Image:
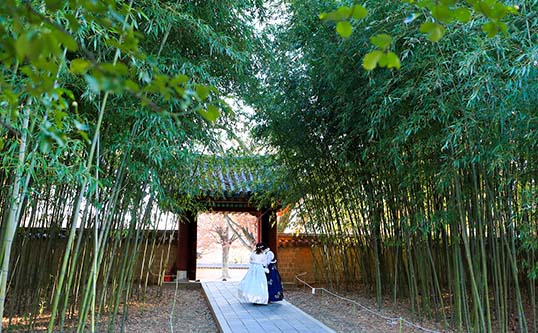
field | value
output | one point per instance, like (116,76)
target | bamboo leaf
(359,12)
(393,61)
(462,14)
(382,41)
(211,114)
(343,12)
(344,29)
(490,29)
(435,31)
(79,66)
(371,59)
(202,91)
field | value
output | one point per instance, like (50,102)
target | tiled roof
(222,183)
(231,177)
(292,240)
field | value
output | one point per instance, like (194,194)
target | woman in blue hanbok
(274,282)
(253,286)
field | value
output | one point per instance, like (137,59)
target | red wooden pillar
(259,217)
(182,250)
(186,247)
(273,234)
(269,231)
(193,242)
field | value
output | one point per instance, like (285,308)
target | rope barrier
(391,319)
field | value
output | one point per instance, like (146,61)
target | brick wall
(296,255)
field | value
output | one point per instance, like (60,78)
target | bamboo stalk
(477,301)
(16,199)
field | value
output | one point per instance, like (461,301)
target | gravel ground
(345,316)
(191,313)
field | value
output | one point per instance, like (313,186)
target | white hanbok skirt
(253,287)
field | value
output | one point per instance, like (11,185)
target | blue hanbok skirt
(274,284)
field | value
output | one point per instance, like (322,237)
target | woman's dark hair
(260,247)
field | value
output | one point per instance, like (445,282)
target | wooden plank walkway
(233,316)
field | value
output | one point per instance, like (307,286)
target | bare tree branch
(246,238)
(10,128)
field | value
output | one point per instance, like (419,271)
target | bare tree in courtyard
(225,239)
(225,231)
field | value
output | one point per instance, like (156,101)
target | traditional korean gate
(226,188)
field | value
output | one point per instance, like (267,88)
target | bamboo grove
(421,182)
(103,108)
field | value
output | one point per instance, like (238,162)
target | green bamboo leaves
(210,114)
(493,28)
(381,57)
(450,11)
(148,77)
(33,45)
(116,77)
(344,29)
(442,13)
(435,31)
(342,17)
(79,66)
(410,177)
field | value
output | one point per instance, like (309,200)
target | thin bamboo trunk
(88,169)
(477,302)
(16,200)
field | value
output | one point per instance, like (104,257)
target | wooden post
(269,233)
(186,247)
(259,217)
(272,241)
(182,253)
(193,247)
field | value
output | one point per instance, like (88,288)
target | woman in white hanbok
(253,287)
